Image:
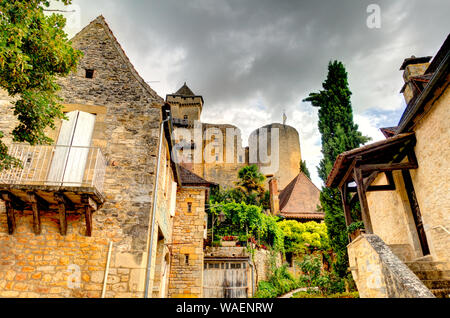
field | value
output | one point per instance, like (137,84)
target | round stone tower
(284,162)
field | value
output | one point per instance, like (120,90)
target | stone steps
(441,293)
(434,275)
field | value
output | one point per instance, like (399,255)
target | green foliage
(339,134)
(311,268)
(34,51)
(245,220)
(355,226)
(304,169)
(300,238)
(279,283)
(313,276)
(251,181)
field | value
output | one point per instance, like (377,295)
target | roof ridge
(102,21)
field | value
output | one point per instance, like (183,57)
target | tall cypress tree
(339,134)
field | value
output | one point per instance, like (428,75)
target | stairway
(434,276)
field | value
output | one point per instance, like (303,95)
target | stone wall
(392,219)
(431,180)
(379,273)
(41,266)
(186,271)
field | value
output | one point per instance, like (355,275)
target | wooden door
(225,280)
(72,150)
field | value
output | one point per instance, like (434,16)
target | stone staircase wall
(379,273)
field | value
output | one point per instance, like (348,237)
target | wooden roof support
(32,198)
(59,197)
(346,205)
(358,177)
(89,207)
(9,212)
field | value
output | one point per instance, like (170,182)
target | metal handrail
(57,165)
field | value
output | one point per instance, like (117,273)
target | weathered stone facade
(127,130)
(186,271)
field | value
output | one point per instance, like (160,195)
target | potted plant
(228,241)
(355,229)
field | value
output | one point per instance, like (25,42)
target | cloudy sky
(253,59)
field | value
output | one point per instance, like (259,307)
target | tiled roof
(190,178)
(300,199)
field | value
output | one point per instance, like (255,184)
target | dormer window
(90,73)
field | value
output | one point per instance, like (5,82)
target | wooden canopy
(362,166)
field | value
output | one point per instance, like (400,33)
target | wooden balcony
(61,178)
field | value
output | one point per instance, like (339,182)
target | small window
(216,265)
(186,117)
(217,157)
(222,265)
(189,207)
(244,265)
(240,159)
(186,259)
(227,266)
(232,266)
(90,73)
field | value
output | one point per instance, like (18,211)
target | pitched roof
(101,20)
(185,91)
(190,178)
(300,199)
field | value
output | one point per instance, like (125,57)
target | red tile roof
(300,198)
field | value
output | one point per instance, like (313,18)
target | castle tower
(185,105)
(287,167)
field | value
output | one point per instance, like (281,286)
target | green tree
(251,180)
(304,169)
(339,134)
(300,238)
(34,51)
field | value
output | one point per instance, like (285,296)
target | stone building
(108,211)
(80,219)
(215,151)
(402,185)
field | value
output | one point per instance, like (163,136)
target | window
(90,73)
(186,259)
(186,117)
(217,157)
(189,207)
(240,159)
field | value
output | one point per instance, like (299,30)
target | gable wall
(127,132)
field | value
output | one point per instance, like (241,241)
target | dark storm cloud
(253,59)
(278,49)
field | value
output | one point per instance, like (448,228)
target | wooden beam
(62,213)
(382,167)
(87,214)
(32,198)
(349,172)
(9,213)
(346,205)
(363,200)
(386,187)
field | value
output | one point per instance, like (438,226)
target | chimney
(274,200)
(412,67)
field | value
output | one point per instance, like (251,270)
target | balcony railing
(67,166)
